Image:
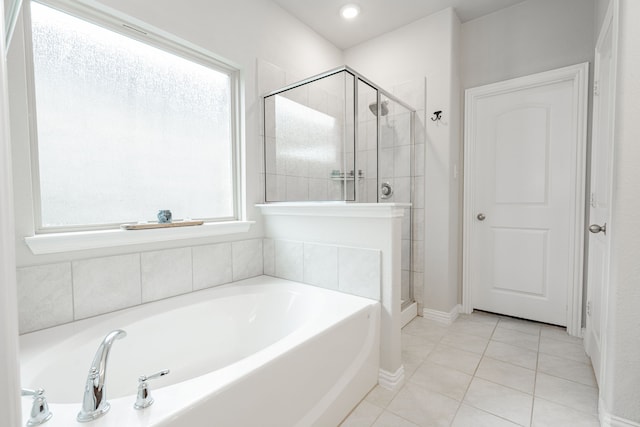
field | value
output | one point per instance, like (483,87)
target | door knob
(481,217)
(595,228)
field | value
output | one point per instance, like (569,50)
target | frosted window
(126,129)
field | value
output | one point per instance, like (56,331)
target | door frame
(610,23)
(579,75)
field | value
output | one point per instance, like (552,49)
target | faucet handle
(40,412)
(144,399)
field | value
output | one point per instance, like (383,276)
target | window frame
(129,27)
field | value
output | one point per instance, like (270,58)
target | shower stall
(338,137)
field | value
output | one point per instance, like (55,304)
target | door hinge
(588,308)
(592,200)
(596,89)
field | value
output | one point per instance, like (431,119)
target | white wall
(9,381)
(621,391)
(530,37)
(242,32)
(427,48)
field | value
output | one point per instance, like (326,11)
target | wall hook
(437,115)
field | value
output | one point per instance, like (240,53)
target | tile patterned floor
(486,371)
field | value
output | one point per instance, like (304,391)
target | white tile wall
(54,294)
(289,260)
(321,265)
(211,265)
(359,272)
(269,254)
(247,259)
(166,273)
(102,285)
(44,296)
(351,270)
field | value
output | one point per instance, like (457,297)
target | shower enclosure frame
(380,92)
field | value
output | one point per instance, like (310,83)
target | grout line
(535,379)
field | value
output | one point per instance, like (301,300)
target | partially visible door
(601,183)
(524,185)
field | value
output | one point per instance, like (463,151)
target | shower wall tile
(102,285)
(212,265)
(166,273)
(359,272)
(418,224)
(406,254)
(320,265)
(45,296)
(297,188)
(269,254)
(318,189)
(417,255)
(270,77)
(247,259)
(406,223)
(419,160)
(418,194)
(289,260)
(402,161)
(402,189)
(386,163)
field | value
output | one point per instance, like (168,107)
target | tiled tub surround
(53,294)
(354,271)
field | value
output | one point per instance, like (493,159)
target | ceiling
(379,16)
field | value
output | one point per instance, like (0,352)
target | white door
(601,183)
(524,184)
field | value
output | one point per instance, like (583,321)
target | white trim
(10,409)
(341,209)
(609,420)
(82,240)
(408,314)
(579,75)
(443,317)
(391,381)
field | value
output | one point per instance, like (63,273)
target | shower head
(384,108)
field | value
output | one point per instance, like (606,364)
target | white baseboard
(408,314)
(442,316)
(609,420)
(391,381)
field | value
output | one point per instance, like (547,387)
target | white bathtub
(260,352)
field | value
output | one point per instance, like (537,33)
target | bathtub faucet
(94,402)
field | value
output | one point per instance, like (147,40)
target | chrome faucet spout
(94,401)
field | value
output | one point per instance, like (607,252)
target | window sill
(83,240)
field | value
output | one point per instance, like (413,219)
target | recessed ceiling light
(350,11)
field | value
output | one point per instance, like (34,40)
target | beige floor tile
(516,338)
(380,396)
(364,415)
(454,358)
(477,329)
(548,414)
(558,333)
(568,369)
(425,328)
(424,407)
(508,353)
(568,350)
(468,416)
(441,379)
(577,396)
(499,400)
(388,419)
(507,374)
(465,342)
